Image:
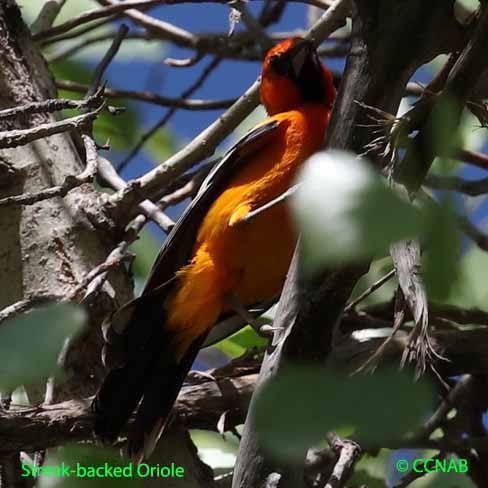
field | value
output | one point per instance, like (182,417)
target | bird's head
(293,75)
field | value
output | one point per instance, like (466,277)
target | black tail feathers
(151,378)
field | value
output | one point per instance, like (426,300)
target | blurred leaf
(471,291)
(329,401)
(216,450)
(117,130)
(70,70)
(377,270)
(90,457)
(146,249)
(120,130)
(443,480)
(346,212)
(131,50)
(371,471)
(463,9)
(446,136)
(160,146)
(31,8)
(30,343)
(237,344)
(443,239)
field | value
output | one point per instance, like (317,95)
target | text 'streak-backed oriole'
(212,259)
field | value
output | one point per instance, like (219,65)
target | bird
(216,261)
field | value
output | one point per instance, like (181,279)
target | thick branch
(310,309)
(200,405)
(203,400)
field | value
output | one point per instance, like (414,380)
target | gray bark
(389,41)
(49,246)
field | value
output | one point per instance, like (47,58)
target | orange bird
(213,263)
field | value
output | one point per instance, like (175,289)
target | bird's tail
(151,372)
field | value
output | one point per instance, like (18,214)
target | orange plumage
(225,256)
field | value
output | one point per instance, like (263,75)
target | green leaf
(120,130)
(237,344)
(218,451)
(470,290)
(31,9)
(443,480)
(377,270)
(91,466)
(30,344)
(371,471)
(346,212)
(382,406)
(446,136)
(70,70)
(443,244)
(146,249)
(160,146)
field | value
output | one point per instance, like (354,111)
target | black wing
(138,347)
(178,245)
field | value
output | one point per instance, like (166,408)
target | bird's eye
(277,63)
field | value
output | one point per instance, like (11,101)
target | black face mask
(301,65)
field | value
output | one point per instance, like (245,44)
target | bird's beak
(299,54)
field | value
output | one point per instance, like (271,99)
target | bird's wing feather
(146,365)
(178,246)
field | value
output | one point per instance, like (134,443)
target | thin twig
(184,63)
(53,105)
(107,59)
(254,27)
(70,182)
(205,143)
(472,188)
(19,137)
(377,284)
(478,237)
(47,16)
(108,173)
(27,304)
(258,211)
(72,49)
(115,258)
(149,97)
(453,398)
(94,14)
(472,157)
(156,27)
(400,314)
(169,114)
(76,34)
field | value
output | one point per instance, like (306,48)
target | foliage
(31,343)
(329,401)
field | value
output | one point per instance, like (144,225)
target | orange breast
(249,260)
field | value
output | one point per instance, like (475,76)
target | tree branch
(148,97)
(19,137)
(70,182)
(200,405)
(309,310)
(349,452)
(205,143)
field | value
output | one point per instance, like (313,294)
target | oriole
(212,259)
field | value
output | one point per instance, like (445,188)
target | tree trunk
(47,247)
